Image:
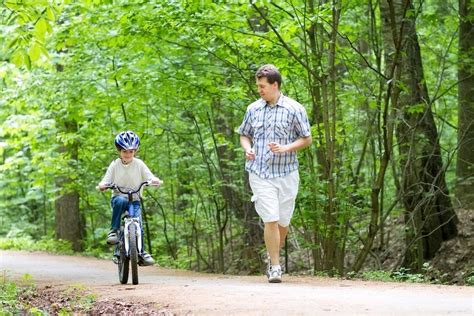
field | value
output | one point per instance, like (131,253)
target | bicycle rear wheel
(132,237)
(124,261)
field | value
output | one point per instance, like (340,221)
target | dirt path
(191,293)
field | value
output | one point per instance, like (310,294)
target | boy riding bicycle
(126,171)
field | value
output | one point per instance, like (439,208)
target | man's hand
(277,148)
(246,143)
(249,154)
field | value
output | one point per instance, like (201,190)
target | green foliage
(8,298)
(27,243)
(15,298)
(470,280)
(78,299)
(181,74)
(25,26)
(400,275)
(377,275)
(10,293)
(403,274)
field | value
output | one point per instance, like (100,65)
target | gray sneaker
(145,259)
(112,238)
(274,274)
(267,260)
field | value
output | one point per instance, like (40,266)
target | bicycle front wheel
(124,261)
(132,237)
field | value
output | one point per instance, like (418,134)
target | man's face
(268,91)
(127,155)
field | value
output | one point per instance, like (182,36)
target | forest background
(388,86)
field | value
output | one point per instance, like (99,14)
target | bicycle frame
(130,219)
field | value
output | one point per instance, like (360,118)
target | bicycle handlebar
(121,189)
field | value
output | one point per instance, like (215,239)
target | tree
(465,157)
(429,214)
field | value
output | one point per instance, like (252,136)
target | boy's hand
(102,187)
(156,182)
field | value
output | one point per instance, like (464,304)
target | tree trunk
(465,158)
(69,222)
(327,255)
(429,215)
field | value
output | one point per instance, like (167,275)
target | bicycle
(130,236)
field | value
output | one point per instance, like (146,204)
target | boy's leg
(119,204)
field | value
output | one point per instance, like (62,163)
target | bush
(45,244)
(377,275)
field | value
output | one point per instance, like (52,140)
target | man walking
(274,128)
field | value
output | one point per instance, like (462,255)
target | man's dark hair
(270,72)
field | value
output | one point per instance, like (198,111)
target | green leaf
(50,14)
(17,58)
(26,60)
(34,52)
(415,108)
(41,28)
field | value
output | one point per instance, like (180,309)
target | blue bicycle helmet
(127,140)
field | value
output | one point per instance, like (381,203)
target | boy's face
(127,155)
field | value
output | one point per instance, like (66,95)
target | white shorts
(275,198)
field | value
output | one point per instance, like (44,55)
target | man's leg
(272,241)
(283,233)
(274,236)
(271,236)
(288,189)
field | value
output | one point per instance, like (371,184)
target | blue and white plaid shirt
(283,123)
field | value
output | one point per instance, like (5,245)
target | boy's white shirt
(127,176)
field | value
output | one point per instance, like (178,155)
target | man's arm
(246,143)
(298,144)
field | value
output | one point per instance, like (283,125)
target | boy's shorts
(275,198)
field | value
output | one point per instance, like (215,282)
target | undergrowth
(23,297)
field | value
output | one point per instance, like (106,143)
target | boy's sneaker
(116,259)
(145,259)
(112,237)
(274,274)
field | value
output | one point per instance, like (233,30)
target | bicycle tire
(132,237)
(124,263)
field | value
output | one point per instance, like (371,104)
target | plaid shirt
(283,123)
